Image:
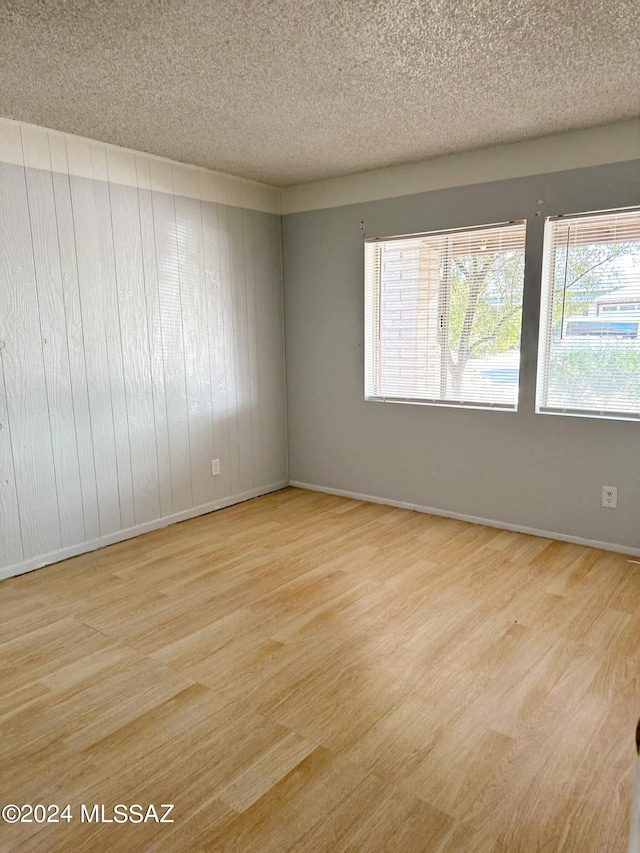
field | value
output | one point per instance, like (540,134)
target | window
(589,361)
(443,314)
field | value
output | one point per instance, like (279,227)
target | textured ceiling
(289,91)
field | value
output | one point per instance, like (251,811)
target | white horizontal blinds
(443,316)
(590,332)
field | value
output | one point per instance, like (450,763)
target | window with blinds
(443,313)
(589,354)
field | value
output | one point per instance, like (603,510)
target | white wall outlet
(610,497)
(215,467)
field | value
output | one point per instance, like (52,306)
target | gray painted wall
(538,471)
(141,336)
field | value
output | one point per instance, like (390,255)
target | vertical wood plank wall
(141,337)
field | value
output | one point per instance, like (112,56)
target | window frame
(372,333)
(546,312)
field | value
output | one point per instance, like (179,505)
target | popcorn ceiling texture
(299,90)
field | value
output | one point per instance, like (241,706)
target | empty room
(320,426)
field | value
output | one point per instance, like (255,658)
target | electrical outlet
(215,467)
(609,497)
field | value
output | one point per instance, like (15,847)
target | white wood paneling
(155,336)
(216,332)
(10,531)
(133,333)
(94,336)
(53,329)
(229,347)
(272,363)
(140,337)
(63,213)
(249,233)
(241,347)
(268,308)
(194,330)
(171,320)
(113,334)
(24,375)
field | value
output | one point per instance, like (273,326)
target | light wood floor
(310,673)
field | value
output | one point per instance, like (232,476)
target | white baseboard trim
(487,522)
(131,532)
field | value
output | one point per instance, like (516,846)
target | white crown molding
(27,144)
(613,143)
(23,144)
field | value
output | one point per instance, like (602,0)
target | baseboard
(203,509)
(487,522)
(130,532)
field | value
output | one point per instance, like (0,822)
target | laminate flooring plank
(305,672)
